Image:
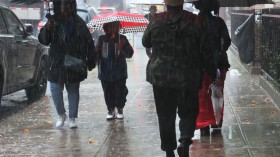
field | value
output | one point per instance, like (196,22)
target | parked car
(22,58)
(85,11)
(106,10)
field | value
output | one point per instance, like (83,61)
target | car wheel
(39,89)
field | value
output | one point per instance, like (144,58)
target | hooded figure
(218,41)
(175,69)
(66,33)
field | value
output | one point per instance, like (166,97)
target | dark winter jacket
(179,50)
(112,63)
(73,38)
(218,39)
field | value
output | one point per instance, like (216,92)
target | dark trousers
(115,93)
(168,101)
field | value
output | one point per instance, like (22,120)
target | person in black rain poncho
(218,40)
(66,33)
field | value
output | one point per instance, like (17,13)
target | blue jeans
(73,98)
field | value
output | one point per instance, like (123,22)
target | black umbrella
(243,3)
(25,1)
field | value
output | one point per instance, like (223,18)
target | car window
(105,11)
(91,13)
(3,29)
(14,25)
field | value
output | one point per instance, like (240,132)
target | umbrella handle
(119,43)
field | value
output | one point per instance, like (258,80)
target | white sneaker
(120,114)
(111,114)
(72,124)
(61,120)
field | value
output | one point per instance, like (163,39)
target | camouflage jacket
(180,51)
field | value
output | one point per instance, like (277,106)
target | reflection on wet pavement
(251,122)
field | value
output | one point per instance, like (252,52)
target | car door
(8,56)
(26,48)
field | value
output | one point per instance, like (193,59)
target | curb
(270,89)
(264,80)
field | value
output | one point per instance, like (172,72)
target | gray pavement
(251,122)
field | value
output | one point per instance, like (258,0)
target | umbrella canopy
(131,23)
(243,3)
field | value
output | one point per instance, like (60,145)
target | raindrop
(230,132)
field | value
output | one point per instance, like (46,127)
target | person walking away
(150,18)
(175,70)
(112,51)
(153,11)
(66,33)
(219,42)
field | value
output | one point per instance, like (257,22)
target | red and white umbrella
(131,23)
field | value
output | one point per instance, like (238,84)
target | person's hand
(50,24)
(218,74)
(150,55)
(215,74)
(121,44)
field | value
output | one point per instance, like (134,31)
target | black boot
(183,148)
(205,131)
(170,153)
(183,151)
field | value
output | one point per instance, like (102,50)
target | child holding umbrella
(112,50)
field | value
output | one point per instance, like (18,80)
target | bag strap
(71,36)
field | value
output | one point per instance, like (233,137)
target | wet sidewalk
(251,125)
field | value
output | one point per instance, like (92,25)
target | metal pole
(258,42)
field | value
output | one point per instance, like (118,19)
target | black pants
(167,101)
(115,93)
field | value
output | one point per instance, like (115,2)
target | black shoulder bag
(73,63)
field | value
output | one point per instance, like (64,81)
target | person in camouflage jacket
(180,54)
